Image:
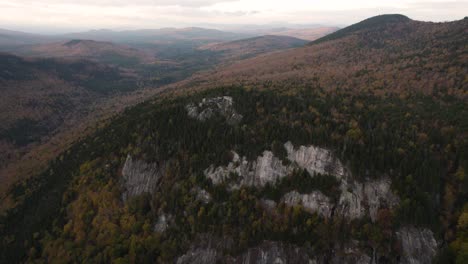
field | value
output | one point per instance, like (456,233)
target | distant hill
(246,48)
(12,39)
(373,23)
(105,52)
(39,95)
(158,36)
(393,53)
(304,33)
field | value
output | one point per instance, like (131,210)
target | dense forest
(418,141)
(385,99)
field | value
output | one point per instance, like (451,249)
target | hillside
(251,47)
(396,56)
(304,33)
(41,96)
(158,36)
(105,52)
(353,149)
(12,39)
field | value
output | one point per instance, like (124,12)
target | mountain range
(351,148)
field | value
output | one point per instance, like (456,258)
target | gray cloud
(63,15)
(183,3)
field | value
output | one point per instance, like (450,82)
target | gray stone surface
(358,199)
(315,202)
(208,107)
(418,244)
(140,177)
(315,160)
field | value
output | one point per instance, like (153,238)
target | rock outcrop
(350,253)
(140,177)
(418,244)
(241,172)
(163,223)
(273,252)
(268,169)
(315,202)
(207,108)
(202,195)
(358,199)
(199,256)
(315,160)
(266,253)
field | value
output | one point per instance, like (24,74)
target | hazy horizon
(55,16)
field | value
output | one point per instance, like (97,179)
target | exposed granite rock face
(315,160)
(268,204)
(315,202)
(140,177)
(266,253)
(199,256)
(202,195)
(266,169)
(350,253)
(207,108)
(357,199)
(273,252)
(269,169)
(418,244)
(206,248)
(163,223)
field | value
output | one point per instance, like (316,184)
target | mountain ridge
(352,150)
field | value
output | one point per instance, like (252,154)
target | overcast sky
(74,15)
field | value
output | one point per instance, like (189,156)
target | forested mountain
(353,149)
(41,96)
(384,54)
(246,48)
(105,52)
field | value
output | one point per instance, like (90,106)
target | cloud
(184,3)
(125,14)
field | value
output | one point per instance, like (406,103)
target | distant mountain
(158,36)
(373,23)
(250,47)
(12,39)
(105,52)
(304,33)
(378,48)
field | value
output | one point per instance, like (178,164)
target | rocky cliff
(210,107)
(315,202)
(357,199)
(418,244)
(140,177)
(241,172)
(315,160)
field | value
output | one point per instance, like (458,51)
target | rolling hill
(392,55)
(158,36)
(304,33)
(352,149)
(12,39)
(42,96)
(246,48)
(105,52)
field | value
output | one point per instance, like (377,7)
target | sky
(56,16)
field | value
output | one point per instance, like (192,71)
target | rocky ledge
(140,177)
(209,107)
